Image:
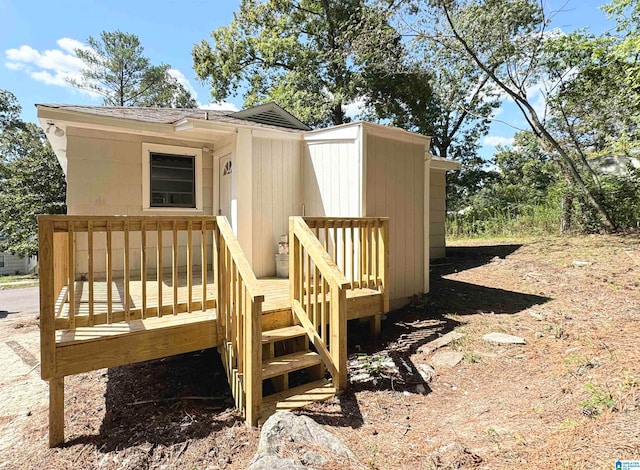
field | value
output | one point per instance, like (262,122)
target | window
(172,177)
(1,261)
(173,180)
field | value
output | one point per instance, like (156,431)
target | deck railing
(359,247)
(318,298)
(239,323)
(114,268)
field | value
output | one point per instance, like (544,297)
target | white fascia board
(106,123)
(350,131)
(444,164)
(187,124)
(396,133)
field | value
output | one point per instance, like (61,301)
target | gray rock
(315,447)
(426,372)
(444,359)
(440,342)
(502,338)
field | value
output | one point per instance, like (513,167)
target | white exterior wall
(437,203)
(107,170)
(276,195)
(395,188)
(333,178)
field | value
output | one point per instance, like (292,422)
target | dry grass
(569,398)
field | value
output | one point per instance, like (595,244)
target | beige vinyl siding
(437,213)
(13,264)
(106,170)
(277,192)
(395,189)
(333,179)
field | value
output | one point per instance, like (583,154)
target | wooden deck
(276,293)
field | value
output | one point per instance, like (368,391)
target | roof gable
(273,115)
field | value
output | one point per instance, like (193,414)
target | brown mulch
(568,398)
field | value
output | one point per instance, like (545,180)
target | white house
(257,167)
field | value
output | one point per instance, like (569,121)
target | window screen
(173,180)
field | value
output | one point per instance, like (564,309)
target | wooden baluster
(227,295)
(109,272)
(203,249)
(189,265)
(160,268)
(242,318)
(362,254)
(174,266)
(234,306)
(90,269)
(72,274)
(127,306)
(374,253)
(323,314)
(308,286)
(336,256)
(344,248)
(353,254)
(367,257)
(316,312)
(301,271)
(143,267)
(326,236)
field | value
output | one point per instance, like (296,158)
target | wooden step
(297,397)
(288,363)
(282,334)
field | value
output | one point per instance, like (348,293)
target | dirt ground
(568,398)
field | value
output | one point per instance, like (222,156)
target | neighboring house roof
(614,165)
(269,115)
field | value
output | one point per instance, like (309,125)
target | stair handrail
(305,246)
(239,319)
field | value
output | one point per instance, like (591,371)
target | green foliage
(116,69)
(598,401)
(9,111)
(312,56)
(31,183)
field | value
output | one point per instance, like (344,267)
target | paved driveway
(19,302)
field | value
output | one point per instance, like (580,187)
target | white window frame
(147,150)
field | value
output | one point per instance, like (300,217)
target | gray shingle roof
(164,115)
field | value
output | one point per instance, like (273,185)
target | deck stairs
(293,375)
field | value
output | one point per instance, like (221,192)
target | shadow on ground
(172,400)
(164,402)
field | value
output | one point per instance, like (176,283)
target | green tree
(9,111)
(117,70)
(31,181)
(311,56)
(506,39)
(525,172)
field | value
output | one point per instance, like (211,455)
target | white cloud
(70,45)
(219,106)
(14,66)
(184,81)
(51,66)
(496,140)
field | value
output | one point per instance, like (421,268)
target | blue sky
(37,41)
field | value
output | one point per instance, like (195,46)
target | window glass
(173,180)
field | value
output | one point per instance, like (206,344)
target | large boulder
(294,442)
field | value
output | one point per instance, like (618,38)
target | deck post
(56,411)
(338,333)
(48,293)
(252,376)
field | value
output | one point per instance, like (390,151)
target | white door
(225,171)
